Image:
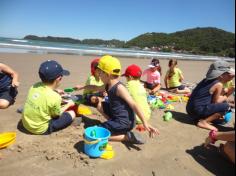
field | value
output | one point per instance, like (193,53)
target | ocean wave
(22,41)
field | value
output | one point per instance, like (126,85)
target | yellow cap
(110,65)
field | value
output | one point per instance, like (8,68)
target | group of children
(123,106)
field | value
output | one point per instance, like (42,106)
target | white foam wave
(111,51)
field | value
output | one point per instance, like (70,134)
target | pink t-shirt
(152,77)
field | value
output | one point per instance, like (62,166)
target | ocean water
(14,45)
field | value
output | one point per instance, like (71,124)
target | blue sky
(111,19)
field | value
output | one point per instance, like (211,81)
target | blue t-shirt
(5,81)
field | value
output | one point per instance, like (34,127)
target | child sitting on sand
(153,82)
(207,104)
(8,86)
(133,74)
(120,108)
(92,97)
(42,111)
(174,78)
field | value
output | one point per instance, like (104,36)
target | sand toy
(7,139)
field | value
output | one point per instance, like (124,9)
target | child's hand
(70,103)
(60,92)
(152,131)
(15,83)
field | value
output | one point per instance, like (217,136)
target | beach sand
(177,151)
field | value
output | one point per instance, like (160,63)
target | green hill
(207,41)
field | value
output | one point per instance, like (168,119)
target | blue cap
(50,70)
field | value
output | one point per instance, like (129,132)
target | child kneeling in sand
(92,97)
(133,74)
(174,78)
(8,86)
(42,111)
(120,107)
(207,104)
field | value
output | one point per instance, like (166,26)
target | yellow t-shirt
(92,81)
(42,104)
(139,95)
(174,80)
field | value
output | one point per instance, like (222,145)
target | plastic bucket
(95,141)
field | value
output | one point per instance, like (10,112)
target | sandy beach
(177,151)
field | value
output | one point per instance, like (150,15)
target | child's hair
(46,80)
(171,63)
(157,62)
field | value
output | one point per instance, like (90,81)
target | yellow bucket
(7,139)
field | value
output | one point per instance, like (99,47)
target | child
(153,82)
(207,104)
(8,86)
(120,109)
(42,111)
(137,91)
(91,97)
(174,78)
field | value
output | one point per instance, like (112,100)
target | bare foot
(205,125)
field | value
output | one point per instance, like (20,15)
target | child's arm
(10,71)
(90,87)
(166,77)
(124,94)
(216,90)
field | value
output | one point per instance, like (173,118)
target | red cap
(94,65)
(133,70)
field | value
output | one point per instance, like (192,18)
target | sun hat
(218,68)
(133,70)
(51,69)
(110,65)
(94,65)
(153,64)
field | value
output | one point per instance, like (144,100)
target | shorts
(149,86)
(117,127)
(202,112)
(181,87)
(9,95)
(59,123)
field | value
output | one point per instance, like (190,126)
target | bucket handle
(91,142)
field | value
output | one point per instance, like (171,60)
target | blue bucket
(95,141)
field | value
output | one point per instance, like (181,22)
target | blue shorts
(181,87)
(59,123)
(202,112)
(117,126)
(9,95)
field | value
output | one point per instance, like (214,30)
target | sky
(111,19)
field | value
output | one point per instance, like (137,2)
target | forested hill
(205,41)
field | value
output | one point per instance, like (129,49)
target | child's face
(104,76)
(153,69)
(97,73)
(227,77)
